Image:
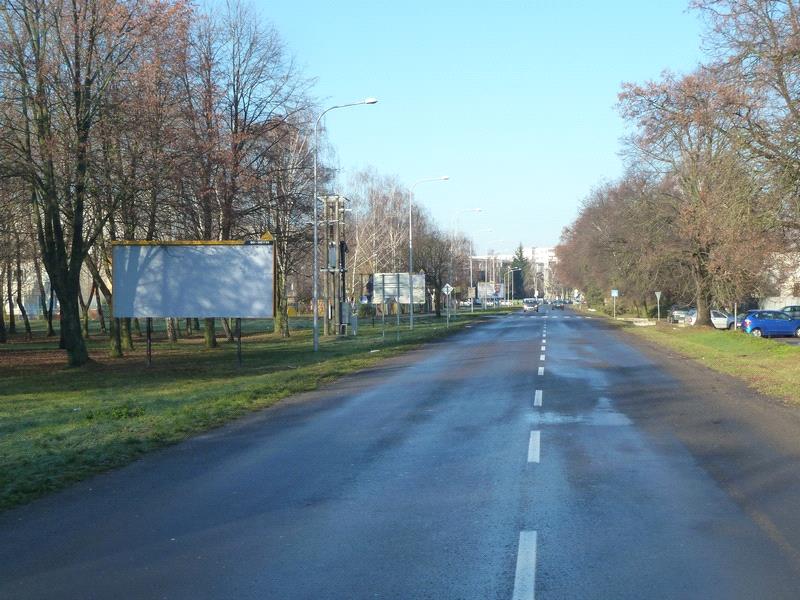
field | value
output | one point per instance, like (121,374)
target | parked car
(792,311)
(719,318)
(465,303)
(677,314)
(770,322)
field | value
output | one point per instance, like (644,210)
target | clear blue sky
(514,100)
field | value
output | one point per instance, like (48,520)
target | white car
(719,318)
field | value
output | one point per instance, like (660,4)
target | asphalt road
(535,455)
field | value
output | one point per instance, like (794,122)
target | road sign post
(448,289)
(614,294)
(658,303)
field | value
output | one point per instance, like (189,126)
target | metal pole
(315,277)
(410,264)
(315,294)
(397,307)
(149,328)
(471,290)
(239,341)
(383,306)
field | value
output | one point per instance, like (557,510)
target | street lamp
(411,249)
(455,231)
(316,225)
(511,285)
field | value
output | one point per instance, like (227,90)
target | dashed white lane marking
(543,348)
(541,357)
(533,447)
(541,370)
(525,576)
(537,398)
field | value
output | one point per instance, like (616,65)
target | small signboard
(658,296)
(614,293)
(447,289)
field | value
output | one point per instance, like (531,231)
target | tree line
(155,120)
(710,193)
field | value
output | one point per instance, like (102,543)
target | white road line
(541,357)
(525,576)
(541,370)
(537,398)
(543,348)
(533,447)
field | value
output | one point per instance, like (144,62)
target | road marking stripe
(543,348)
(525,576)
(541,370)
(537,399)
(541,357)
(533,447)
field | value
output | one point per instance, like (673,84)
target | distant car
(557,305)
(678,314)
(506,303)
(792,311)
(465,303)
(719,318)
(530,305)
(770,323)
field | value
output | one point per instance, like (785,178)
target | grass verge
(768,366)
(60,425)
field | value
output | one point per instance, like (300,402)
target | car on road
(792,311)
(768,323)
(530,305)
(465,303)
(557,305)
(719,318)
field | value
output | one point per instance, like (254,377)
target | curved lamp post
(316,240)
(411,246)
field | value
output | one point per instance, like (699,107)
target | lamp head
(370,100)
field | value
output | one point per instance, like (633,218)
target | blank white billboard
(394,287)
(192,279)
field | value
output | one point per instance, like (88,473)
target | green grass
(60,425)
(769,366)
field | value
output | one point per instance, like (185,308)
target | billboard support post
(239,341)
(149,328)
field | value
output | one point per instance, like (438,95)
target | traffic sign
(614,293)
(447,289)
(658,295)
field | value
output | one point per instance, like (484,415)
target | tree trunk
(125,332)
(281,300)
(12,325)
(188,328)
(23,312)
(172,330)
(702,295)
(47,314)
(226,327)
(100,315)
(84,314)
(210,333)
(437,301)
(77,354)
(50,331)
(3,335)
(137,327)
(114,338)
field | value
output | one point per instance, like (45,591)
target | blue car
(770,322)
